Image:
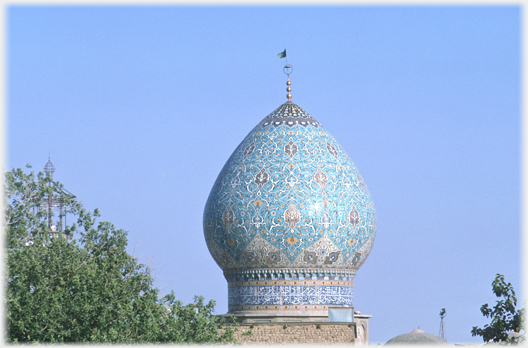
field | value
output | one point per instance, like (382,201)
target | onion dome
(289,219)
(416,337)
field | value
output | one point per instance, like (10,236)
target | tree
(77,283)
(504,317)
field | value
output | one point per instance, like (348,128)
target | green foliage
(88,289)
(504,317)
(194,323)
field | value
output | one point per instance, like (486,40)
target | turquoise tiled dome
(289,196)
(289,204)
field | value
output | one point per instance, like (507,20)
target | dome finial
(288,69)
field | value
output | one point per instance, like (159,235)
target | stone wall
(297,333)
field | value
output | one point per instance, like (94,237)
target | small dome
(416,337)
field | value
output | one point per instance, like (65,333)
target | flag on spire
(282,54)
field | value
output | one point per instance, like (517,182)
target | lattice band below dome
(290,283)
(290,275)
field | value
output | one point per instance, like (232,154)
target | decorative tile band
(290,275)
(291,282)
(279,307)
(289,122)
(290,295)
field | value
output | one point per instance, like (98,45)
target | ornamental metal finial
(288,69)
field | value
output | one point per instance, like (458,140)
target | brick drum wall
(297,333)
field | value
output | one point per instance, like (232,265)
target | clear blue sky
(140,107)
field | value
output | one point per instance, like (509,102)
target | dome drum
(289,294)
(288,290)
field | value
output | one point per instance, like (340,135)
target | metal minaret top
(49,168)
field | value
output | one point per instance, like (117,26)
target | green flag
(282,54)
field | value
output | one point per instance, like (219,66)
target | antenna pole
(442,332)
